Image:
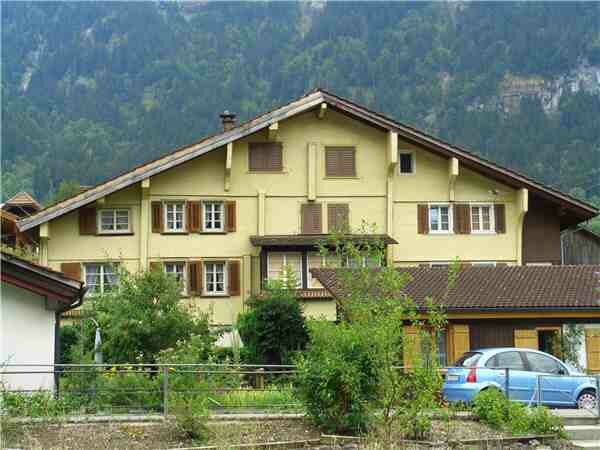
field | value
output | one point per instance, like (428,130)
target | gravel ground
(223,434)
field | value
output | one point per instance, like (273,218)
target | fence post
(165,391)
(539,390)
(507,381)
(260,378)
(598,396)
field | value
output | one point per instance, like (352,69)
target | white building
(31,301)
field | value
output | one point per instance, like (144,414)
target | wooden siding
(580,247)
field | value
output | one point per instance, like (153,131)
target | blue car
(560,384)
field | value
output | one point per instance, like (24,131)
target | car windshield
(469,359)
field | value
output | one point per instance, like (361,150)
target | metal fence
(135,389)
(37,390)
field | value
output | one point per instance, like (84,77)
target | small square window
(440,219)
(175,217)
(214,278)
(406,162)
(113,221)
(213,216)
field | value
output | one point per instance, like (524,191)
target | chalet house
(231,210)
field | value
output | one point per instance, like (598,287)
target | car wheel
(587,400)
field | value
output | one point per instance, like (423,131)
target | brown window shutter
(193,217)
(266,156)
(311,218)
(156,266)
(337,217)
(87,221)
(157,217)
(500,217)
(72,270)
(340,162)
(233,268)
(195,277)
(462,219)
(230,216)
(423,219)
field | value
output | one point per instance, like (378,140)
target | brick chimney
(228,120)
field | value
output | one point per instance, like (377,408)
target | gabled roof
(22,199)
(511,288)
(582,210)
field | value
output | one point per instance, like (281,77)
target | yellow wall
(204,178)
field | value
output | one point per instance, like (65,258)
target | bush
(191,416)
(274,326)
(493,408)
(69,337)
(337,378)
(33,404)
(140,318)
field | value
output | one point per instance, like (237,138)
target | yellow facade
(270,203)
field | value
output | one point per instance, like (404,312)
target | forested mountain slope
(90,89)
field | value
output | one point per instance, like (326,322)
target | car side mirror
(562,371)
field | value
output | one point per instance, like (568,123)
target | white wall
(26,336)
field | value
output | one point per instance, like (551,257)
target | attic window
(406,162)
(265,157)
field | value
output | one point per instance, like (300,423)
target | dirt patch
(223,434)
(150,435)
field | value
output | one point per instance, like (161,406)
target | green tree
(273,327)
(370,342)
(141,317)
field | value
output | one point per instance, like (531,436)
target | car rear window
(469,359)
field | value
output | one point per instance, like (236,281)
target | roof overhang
(582,210)
(61,292)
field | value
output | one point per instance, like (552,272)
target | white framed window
(440,219)
(484,263)
(482,218)
(214,278)
(114,220)
(406,162)
(177,269)
(100,277)
(175,217)
(279,263)
(213,216)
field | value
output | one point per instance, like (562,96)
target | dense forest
(90,89)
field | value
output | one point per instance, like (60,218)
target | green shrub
(127,389)
(274,326)
(191,416)
(69,336)
(493,408)
(34,404)
(337,378)
(140,318)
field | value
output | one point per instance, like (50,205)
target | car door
(520,381)
(557,388)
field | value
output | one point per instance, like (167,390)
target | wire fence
(35,390)
(140,389)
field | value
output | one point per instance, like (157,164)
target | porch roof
(511,288)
